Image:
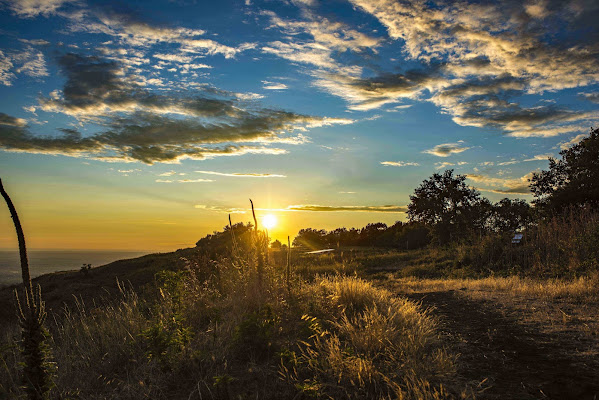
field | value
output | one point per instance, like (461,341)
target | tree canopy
(445,203)
(573,180)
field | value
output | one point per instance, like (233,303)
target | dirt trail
(502,358)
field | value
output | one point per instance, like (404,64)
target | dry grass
(582,289)
(232,335)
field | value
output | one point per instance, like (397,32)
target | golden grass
(579,290)
(232,335)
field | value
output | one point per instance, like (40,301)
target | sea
(47,261)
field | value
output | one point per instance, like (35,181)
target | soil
(504,353)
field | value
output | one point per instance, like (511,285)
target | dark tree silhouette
(571,180)
(445,203)
(511,215)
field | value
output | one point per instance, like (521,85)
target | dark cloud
(96,87)
(6,119)
(138,125)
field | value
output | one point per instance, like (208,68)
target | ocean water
(43,262)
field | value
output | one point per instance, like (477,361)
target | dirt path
(502,358)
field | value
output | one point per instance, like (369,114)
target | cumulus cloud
(399,163)
(242,174)
(476,58)
(446,149)
(311,207)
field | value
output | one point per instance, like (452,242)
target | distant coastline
(48,261)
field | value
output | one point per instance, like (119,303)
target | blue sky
(164,116)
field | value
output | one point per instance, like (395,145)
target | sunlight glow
(269,221)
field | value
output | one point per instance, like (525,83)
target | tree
(571,180)
(276,245)
(510,215)
(445,203)
(310,238)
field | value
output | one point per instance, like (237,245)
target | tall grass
(217,331)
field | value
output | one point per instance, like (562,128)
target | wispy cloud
(594,96)
(446,149)
(400,163)
(242,174)
(575,140)
(274,85)
(221,209)
(28,61)
(184,180)
(540,157)
(515,186)
(33,8)
(312,207)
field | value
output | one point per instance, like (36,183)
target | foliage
(222,242)
(511,215)
(571,180)
(447,204)
(403,235)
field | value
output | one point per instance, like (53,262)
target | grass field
(354,323)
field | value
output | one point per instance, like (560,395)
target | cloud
(399,163)
(242,174)
(594,97)
(475,58)
(540,157)
(445,164)
(446,149)
(309,207)
(194,180)
(184,180)
(515,186)
(274,85)
(29,62)
(6,76)
(33,8)
(221,209)
(134,32)
(369,93)
(575,140)
(8,120)
(135,124)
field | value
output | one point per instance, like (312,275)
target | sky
(141,125)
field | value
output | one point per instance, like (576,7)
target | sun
(269,221)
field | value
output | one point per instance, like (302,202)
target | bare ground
(518,348)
